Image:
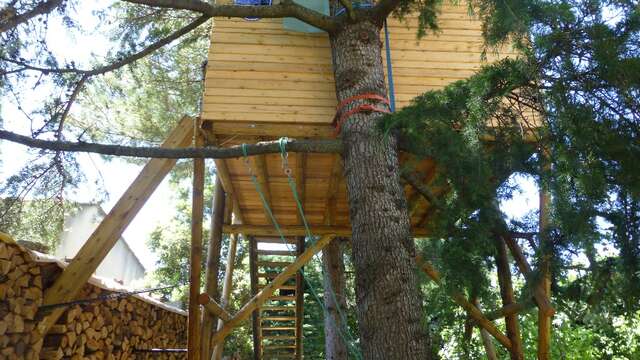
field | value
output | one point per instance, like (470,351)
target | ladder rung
(278,308)
(268,275)
(283,287)
(279,337)
(279,347)
(274,264)
(275,240)
(277,252)
(278,318)
(283,298)
(279,328)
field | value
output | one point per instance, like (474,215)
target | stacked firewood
(121,328)
(20,297)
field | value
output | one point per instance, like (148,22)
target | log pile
(104,329)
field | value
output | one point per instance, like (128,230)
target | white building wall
(120,264)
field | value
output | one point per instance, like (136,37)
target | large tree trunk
(389,305)
(334,300)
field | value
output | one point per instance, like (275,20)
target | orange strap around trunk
(360,108)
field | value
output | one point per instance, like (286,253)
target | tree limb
(286,8)
(9,21)
(267,147)
(120,63)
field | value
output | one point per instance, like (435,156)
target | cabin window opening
(252,3)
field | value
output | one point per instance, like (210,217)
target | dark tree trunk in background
(334,299)
(389,303)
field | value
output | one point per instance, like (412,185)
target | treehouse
(267,79)
(272,78)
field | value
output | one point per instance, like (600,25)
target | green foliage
(577,77)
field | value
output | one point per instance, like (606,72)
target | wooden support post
(226,291)
(299,301)
(213,264)
(259,167)
(508,298)
(301,161)
(461,300)
(544,320)
(291,230)
(489,349)
(105,236)
(266,292)
(544,305)
(255,320)
(195,269)
(511,309)
(213,307)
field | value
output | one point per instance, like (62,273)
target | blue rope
(392,90)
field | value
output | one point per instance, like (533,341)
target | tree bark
(334,300)
(389,304)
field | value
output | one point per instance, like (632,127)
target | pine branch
(9,21)
(267,147)
(287,8)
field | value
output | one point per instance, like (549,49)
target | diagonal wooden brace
(461,300)
(105,236)
(213,307)
(264,294)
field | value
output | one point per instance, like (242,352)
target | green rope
(282,142)
(294,191)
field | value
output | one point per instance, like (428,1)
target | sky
(116,175)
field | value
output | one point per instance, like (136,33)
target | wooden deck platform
(263,82)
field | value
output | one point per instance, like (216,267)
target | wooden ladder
(277,324)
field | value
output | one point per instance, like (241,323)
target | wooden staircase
(277,325)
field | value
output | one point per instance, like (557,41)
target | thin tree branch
(267,147)
(287,8)
(10,22)
(120,63)
(70,102)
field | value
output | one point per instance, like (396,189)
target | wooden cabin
(265,82)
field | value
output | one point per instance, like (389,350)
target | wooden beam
(259,168)
(544,305)
(334,183)
(222,171)
(105,236)
(301,162)
(489,349)
(299,301)
(297,230)
(213,307)
(268,290)
(508,298)
(253,273)
(195,263)
(510,309)
(213,264)
(461,300)
(226,290)
(299,130)
(544,320)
